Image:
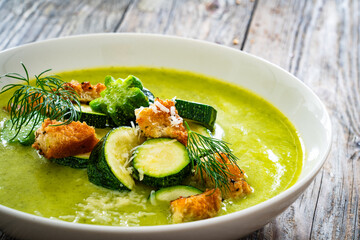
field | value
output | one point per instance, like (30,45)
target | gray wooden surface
(316,40)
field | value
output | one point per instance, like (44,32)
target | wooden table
(316,40)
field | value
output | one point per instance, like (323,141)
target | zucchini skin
(200,113)
(73,162)
(167,181)
(149,95)
(95,120)
(99,173)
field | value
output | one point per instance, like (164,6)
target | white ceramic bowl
(287,93)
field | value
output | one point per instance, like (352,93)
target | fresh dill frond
(48,96)
(203,151)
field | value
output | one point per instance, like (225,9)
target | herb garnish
(47,97)
(203,150)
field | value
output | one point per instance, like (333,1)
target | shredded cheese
(172,111)
(161,107)
(141,174)
(175,121)
(138,111)
(154,108)
(110,209)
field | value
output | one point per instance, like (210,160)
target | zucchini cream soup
(266,144)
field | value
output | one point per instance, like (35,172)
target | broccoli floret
(120,99)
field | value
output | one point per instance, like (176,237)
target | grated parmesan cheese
(141,174)
(153,107)
(138,111)
(172,111)
(175,121)
(162,107)
(110,209)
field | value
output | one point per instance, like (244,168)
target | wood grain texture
(215,21)
(28,21)
(316,40)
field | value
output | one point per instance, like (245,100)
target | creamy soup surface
(264,140)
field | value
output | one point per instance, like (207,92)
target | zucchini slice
(78,161)
(95,119)
(109,161)
(171,193)
(197,112)
(161,162)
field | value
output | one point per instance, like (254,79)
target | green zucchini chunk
(78,161)
(109,161)
(197,112)
(161,162)
(171,193)
(95,119)
(149,95)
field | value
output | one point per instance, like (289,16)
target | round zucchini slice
(171,193)
(161,162)
(109,161)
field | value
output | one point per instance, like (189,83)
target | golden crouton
(238,187)
(86,91)
(64,140)
(161,119)
(196,207)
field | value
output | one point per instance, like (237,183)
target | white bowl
(286,92)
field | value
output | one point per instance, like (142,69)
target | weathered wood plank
(28,21)
(318,41)
(216,21)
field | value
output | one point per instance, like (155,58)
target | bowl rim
(300,183)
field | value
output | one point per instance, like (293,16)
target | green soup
(266,143)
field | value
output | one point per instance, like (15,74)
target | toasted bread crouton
(196,207)
(64,140)
(238,187)
(161,119)
(86,91)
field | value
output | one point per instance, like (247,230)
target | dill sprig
(49,97)
(203,151)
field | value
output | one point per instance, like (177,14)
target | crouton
(196,207)
(161,119)
(238,187)
(64,140)
(86,91)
